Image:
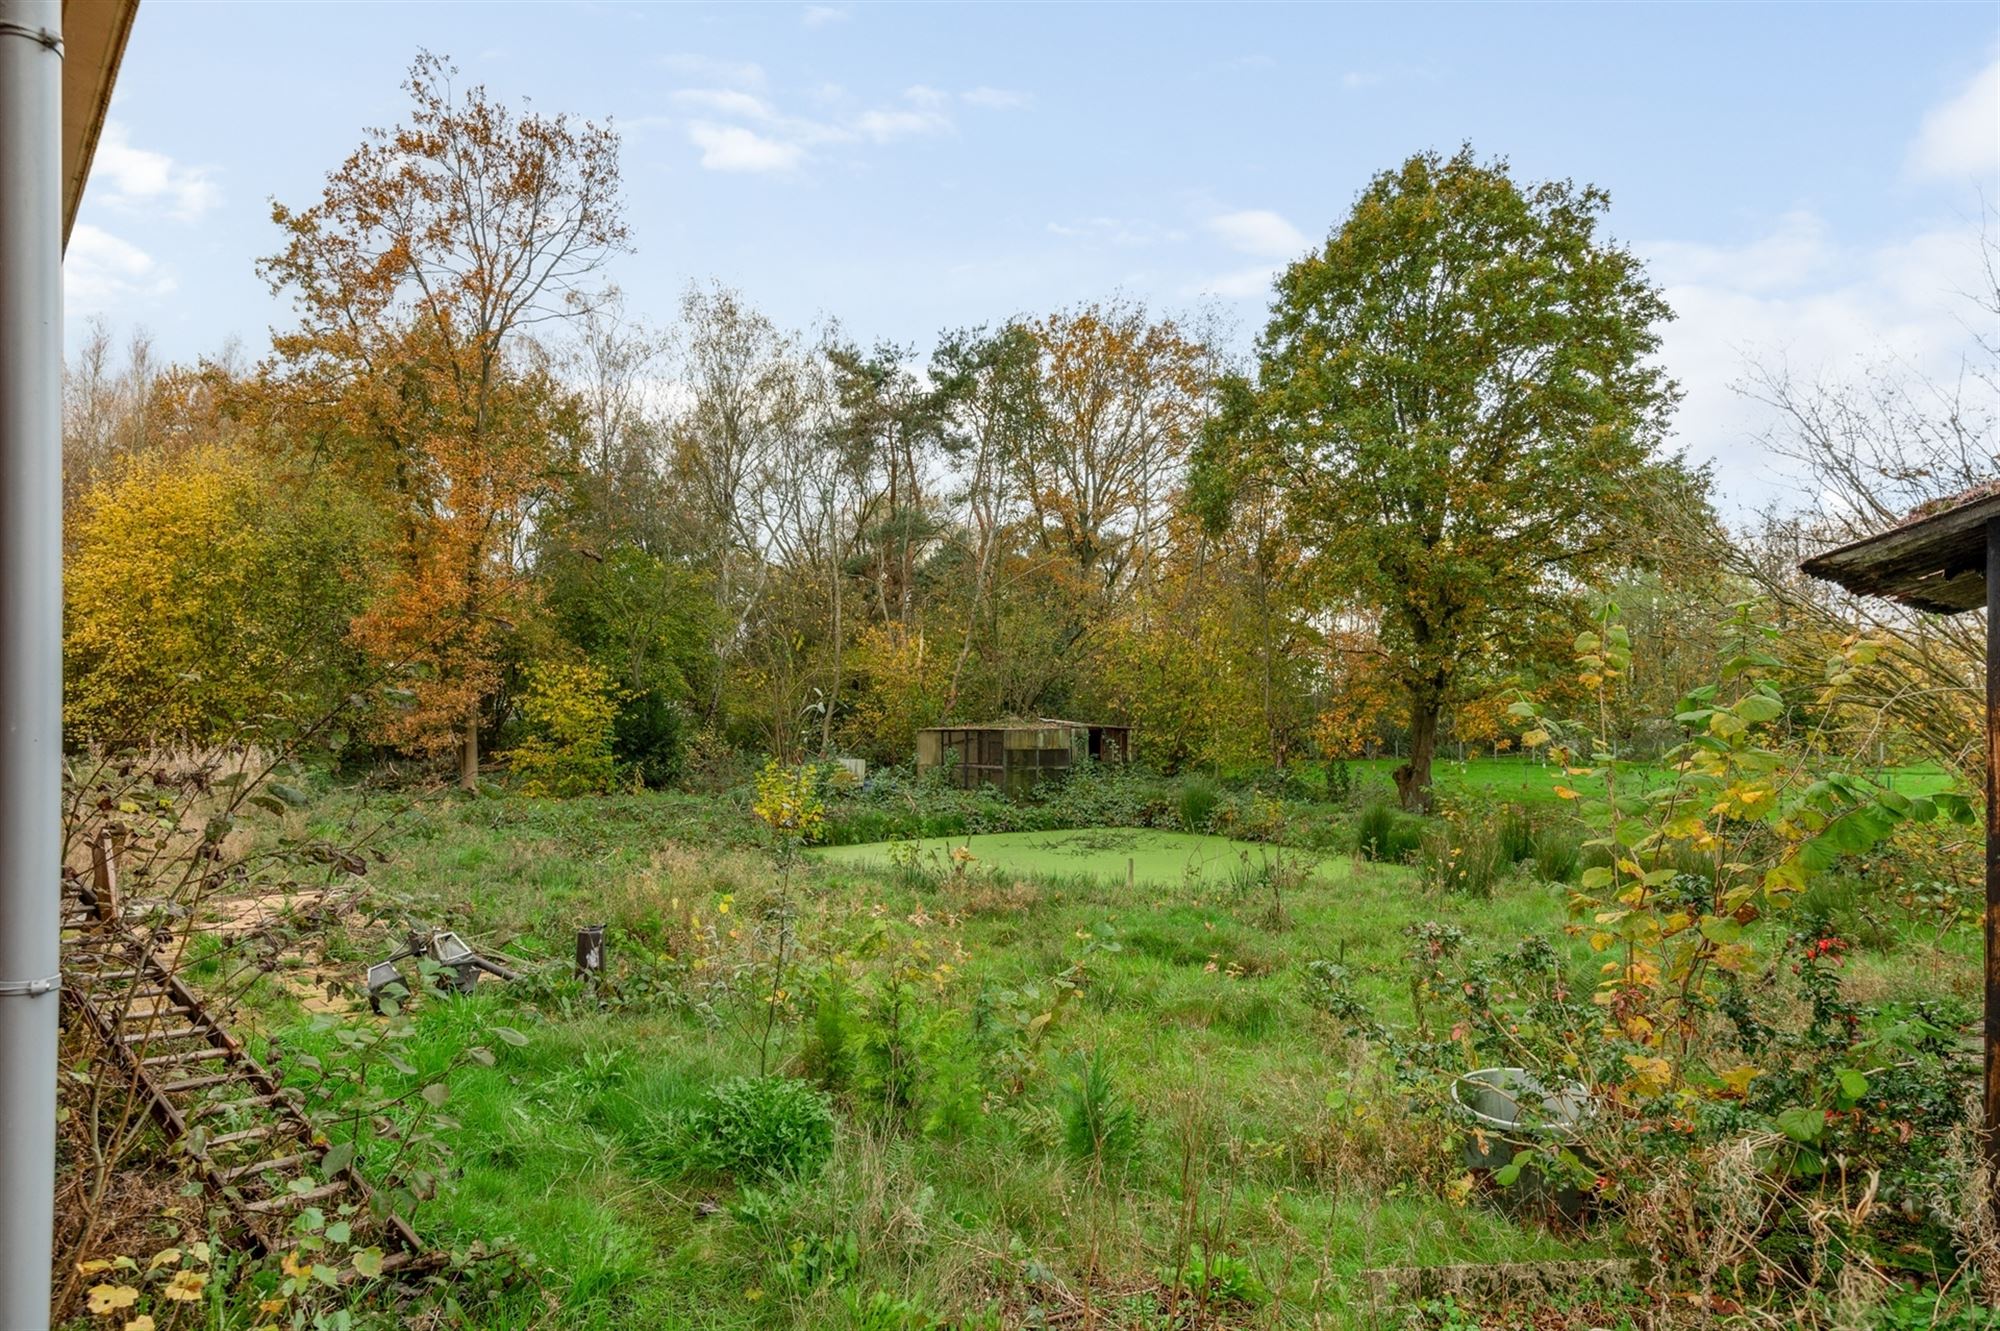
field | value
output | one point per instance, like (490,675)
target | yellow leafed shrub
(200,596)
(570,710)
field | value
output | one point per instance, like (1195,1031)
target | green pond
(1153,857)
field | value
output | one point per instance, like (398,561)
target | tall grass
(1556,854)
(1385,833)
(1516,833)
(1468,858)
(1198,802)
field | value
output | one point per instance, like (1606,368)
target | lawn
(1529,780)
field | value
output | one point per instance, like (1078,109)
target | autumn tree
(986,387)
(203,599)
(1123,398)
(1459,394)
(429,255)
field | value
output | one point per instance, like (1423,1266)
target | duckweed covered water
(1157,858)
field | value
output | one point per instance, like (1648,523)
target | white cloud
(726,102)
(1960,138)
(1797,248)
(1238,284)
(821,16)
(924,115)
(104,274)
(1355,79)
(130,177)
(1259,231)
(709,69)
(996,99)
(734,148)
(743,131)
(1116,231)
(1795,295)
(886,126)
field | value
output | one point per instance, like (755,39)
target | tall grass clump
(1383,832)
(1556,854)
(1469,859)
(1198,801)
(1516,833)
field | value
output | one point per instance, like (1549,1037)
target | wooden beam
(1990,1137)
(1931,563)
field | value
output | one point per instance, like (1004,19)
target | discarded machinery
(444,947)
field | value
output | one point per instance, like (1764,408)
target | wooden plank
(1990,1145)
(104,877)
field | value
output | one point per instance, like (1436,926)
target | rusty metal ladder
(251,1142)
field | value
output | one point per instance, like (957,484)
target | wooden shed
(1014,755)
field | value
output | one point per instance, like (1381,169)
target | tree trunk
(1413,778)
(468,754)
(833,693)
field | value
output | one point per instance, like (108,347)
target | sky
(1808,184)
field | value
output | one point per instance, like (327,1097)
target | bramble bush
(1755,1153)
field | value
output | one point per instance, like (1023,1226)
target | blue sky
(1806,181)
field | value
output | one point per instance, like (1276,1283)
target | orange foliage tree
(1358,696)
(1122,400)
(431,251)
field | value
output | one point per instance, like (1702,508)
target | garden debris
(1393,1287)
(446,949)
(251,1143)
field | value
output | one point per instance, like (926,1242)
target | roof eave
(94,35)
(1936,563)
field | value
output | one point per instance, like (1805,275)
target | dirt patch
(319,988)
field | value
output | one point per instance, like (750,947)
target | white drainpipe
(30,646)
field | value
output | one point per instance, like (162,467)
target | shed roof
(1028,723)
(1934,559)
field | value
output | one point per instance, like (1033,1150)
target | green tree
(1459,398)
(645,623)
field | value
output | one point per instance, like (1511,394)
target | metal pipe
(590,952)
(30,647)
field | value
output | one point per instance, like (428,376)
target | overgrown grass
(1049,1087)
(1184,1074)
